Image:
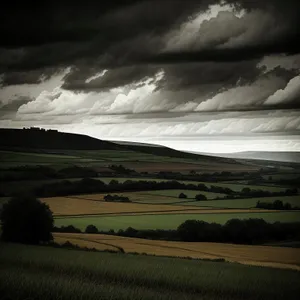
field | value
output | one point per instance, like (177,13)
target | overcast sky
(207,75)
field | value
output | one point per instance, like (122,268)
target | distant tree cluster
(40,129)
(66,229)
(250,193)
(120,169)
(182,196)
(200,197)
(91,229)
(277,205)
(116,198)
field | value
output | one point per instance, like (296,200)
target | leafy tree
(91,229)
(287,206)
(114,182)
(26,220)
(246,190)
(182,196)
(69,229)
(200,197)
(278,205)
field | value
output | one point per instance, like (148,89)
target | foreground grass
(170,221)
(246,254)
(30,272)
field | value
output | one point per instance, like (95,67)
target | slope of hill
(35,138)
(51,139)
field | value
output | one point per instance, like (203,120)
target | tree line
(88,185)
(277,205)
(248,231)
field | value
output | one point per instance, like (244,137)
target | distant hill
(290,157)
(35,138)
(51,139)
(135,144)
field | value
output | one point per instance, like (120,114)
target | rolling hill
(35,139)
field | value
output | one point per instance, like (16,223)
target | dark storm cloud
(76,80)
(53,34)
(10,109)
(132,40)
(28,77)
(109,34)
(31,23)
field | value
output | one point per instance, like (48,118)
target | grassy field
(246,254)
(94,205)
(171,221)
(156,196)
(135,160)
(243,203)
(80,206)
(27,185)
(175,193)
(48,273)
(23,158)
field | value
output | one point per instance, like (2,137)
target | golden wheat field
(71,206)
(76,206)
(253,255)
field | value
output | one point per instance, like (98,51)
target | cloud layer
(139,68)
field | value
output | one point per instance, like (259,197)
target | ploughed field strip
(88,205)
(246,254)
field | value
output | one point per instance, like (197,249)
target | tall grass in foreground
(31,272)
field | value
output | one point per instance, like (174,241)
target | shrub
(182,196)
(200,197)
(91,229)
(26,220)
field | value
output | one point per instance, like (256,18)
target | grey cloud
(287,95)
(9,110)
(113,78)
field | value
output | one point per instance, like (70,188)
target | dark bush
(182,196)
(68,229)
(26,220)
(200,197)
(91,229)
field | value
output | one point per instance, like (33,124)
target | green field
(36,272)
(234,186)
(169,221)
(26,185)
(175,193)
(89,156)
(243,203)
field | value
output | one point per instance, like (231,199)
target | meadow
(141,162)
(43,272)
(50,273)
(86,206)
(246,254)
(243,203)
(171,221)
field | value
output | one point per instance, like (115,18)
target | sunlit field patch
(257,255)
